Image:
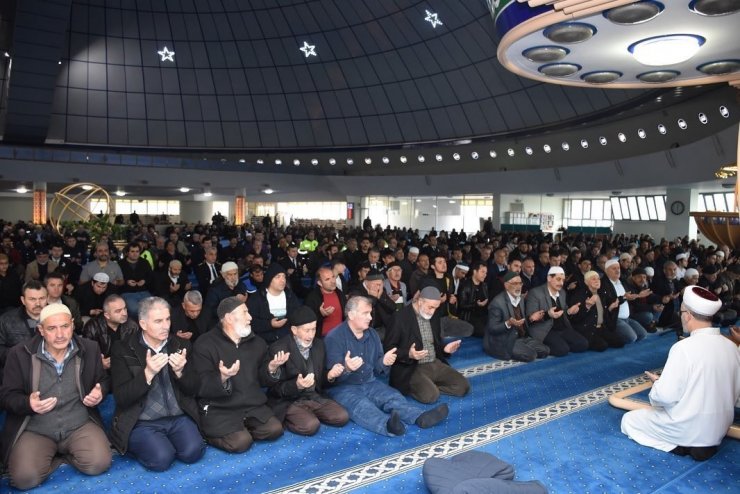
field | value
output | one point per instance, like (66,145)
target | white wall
(534,204)
(655,228)
(16,208)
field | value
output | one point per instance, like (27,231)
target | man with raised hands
(371,403)
(52,386)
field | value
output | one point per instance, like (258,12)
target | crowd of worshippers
(235,334)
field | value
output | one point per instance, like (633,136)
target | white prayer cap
(682,255)
(625,255)
(611,262)
(691,272)
(701,301)
(413,250)
(229,266)
(54,309)
(555,270)
(101,277)
(462,267)
(649,271)
(719,253)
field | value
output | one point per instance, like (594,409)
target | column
(355,203)
(240,208)
(39,203)
(679,201)
(496,211)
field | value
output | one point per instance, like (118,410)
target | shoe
(394,425)
(433,417)
(651,328)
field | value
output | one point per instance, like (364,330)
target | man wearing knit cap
(233,366)
(421,369)
(692,401)
(271,306)
(383,306)
(626,327)
(547,316)
(297,398)
(226,286)
(52,386)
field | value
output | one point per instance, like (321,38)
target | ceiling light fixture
(666,50)
(703,118)
(474,155)
(296,162)
(641,133)
(268,191)
(184,189)
(87,187)
(528,150)
(314,162)
(368,161)
(242,160)
(350,161)
(167,55)
(724,111)
(546,148)
(120,193)
(682,124)
(403,159)
(385,160)
(511,152)
(622,137)
(456,156)
(207,193)
(332,161)
(433,19)
(421,158)
(21,189)
(308,50)
(565,146)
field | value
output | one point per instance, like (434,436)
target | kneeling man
(693,400)
(298,397)
(52,386)
(421,369)
(371,403)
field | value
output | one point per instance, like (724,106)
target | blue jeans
(630,330)
(156,443)
(644,318)
(370,404)
(132,303)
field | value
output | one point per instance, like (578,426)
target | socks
(433,417)
(394,425)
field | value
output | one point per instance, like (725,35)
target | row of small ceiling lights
(621,136)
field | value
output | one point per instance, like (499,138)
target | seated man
(628,329)
(91,295)
(298,397)
(383,306)
(54,283)
(154,384)
(506,334)
(371,403)
(394,287)
(693,399)
(327,301)
(19,324)
(548,316)
(226,286)
(473,298)
(233,365)
(421,369)
(59,417)
(110,326)
(138,278)
(189,320)
(596,319)
(271,306)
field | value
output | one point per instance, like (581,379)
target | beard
(425,316)
(244,331)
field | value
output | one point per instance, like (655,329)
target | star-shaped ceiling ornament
(167,55)
(308,50)
(433,19)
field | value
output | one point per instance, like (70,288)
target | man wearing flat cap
(421,369)
(383,306)
(233,365)
(52,386)
(298,398)
(692,402)
(548,314)
(41,266)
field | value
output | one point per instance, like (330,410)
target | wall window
(147,206)
(587,213)
(717,201)
(638,208)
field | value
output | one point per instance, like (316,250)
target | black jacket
(14,329)
(20,376)
(467,296)
(181,322)
(285,391)
(96,329)
(585,319)
(383,308)
(219,291)
(128,361)
(259,309)
(225,406)
(404,332)
(203,275)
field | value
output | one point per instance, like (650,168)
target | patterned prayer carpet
(549,419)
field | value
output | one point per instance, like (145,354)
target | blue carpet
(494,397)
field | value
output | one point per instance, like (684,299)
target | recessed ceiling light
(120,193)
(438,157)
(682,124)
(601,76)
(528,150)
(474,155)
(420,158)
(634,13)
(87,187)
(456,156)
(332,161)
(385,160)
(658,76)
(602,140)
(184,189)
(268,191)
(570,32)
(565,146)
(584,143)
(451,201)
(403,159)
(368,161)
(715,7)
(492,153)
(350,161)
(296,162)
(662,129)
(242,160)
(546,148)
(666,50)
(278,162)
(720,67)
(703,118)
(260,162)
(314,161)
(641,133)
(724,111)
(510,152)
(543,54)
(418,200)
(622,137)
(21,189)
(559,69)
(207,193)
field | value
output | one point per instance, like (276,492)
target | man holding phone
(271,306)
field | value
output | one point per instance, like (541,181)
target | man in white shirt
(693,400)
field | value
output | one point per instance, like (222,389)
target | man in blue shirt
(372,404)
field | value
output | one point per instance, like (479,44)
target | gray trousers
(451,326)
